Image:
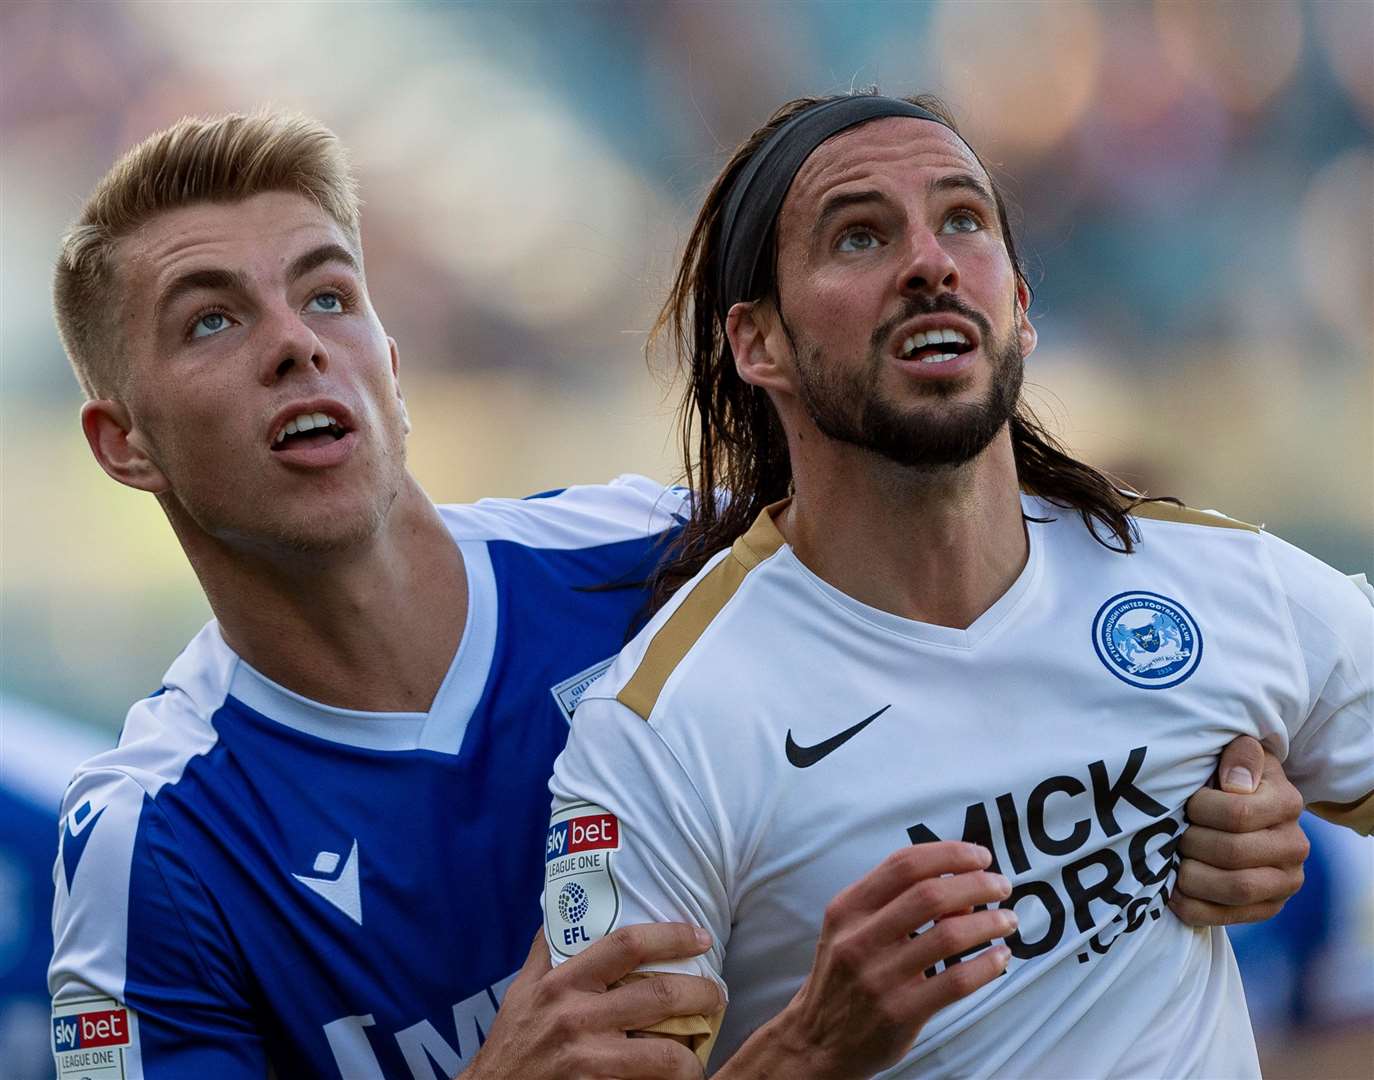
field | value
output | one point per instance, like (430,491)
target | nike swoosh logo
(803,757)
(341,891)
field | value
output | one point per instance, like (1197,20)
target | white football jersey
(767,740)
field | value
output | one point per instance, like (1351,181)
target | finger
(1274,775)
(643,1002)
(931,899)
(649,1058)
(1241,764)
(1284,846)
(1201,913)
(1237,888)
(617,954)
(951,937)
(923,999)
(1274,802)
(903,869)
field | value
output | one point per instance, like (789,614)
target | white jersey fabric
(767,740)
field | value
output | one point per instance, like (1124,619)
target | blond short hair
(223,159)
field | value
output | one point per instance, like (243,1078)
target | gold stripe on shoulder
(676,636)
(1186,515)
(1357,815)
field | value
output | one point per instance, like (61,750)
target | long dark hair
(732,440)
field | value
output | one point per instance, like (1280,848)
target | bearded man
(908,644)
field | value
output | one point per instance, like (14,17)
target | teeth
(932,337)
(940,359)
(305,422)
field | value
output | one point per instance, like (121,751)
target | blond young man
(925,639)
(315,851)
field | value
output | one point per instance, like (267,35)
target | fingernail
(1009,919)
(703,938)
(1240,779)
(984,855)
(1003,954)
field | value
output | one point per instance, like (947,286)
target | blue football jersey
(252,880)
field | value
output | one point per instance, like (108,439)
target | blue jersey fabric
(252,880)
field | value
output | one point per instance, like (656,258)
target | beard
(847,405)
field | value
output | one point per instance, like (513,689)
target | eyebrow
(837,204)
(198,281)
(316,257)
(232,281)
(962,182)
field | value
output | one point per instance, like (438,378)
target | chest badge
(1147,640)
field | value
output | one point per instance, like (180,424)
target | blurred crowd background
(1194,184)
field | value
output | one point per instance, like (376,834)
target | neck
(935,547)
(372,627)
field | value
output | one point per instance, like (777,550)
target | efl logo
(81,1031)
(590,833)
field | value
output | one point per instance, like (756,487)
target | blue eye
(212,322)
(328,301)
(857,240)
(962,221)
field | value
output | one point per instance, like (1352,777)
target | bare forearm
(771,1054)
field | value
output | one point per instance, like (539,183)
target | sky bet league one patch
(581,902)
(91,1037)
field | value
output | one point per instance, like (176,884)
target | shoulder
(1302,577)
(1320,604)
(628,508)
(1167,514)
(162,733)
(693,628)
(1322,600)
(1166,534)
(113,840)
(103,806)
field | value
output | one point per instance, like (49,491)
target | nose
(291,345)
(928,268)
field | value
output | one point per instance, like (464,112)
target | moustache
(915,306)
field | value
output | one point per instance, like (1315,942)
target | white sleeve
(1331,751)
(630,840)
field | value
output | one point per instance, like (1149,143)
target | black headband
(758,192)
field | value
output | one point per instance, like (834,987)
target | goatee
(848,405)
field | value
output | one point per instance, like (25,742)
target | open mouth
(308,430)
(937,346)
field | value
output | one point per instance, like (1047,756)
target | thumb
(1241,764)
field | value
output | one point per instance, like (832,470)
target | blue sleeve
(144,970)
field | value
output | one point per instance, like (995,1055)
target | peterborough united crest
(1147,640)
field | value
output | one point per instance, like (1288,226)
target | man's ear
(396,381)
(118,448)
(749,326)
(1025,329)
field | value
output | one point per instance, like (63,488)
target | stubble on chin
(934,434)
(255,525)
